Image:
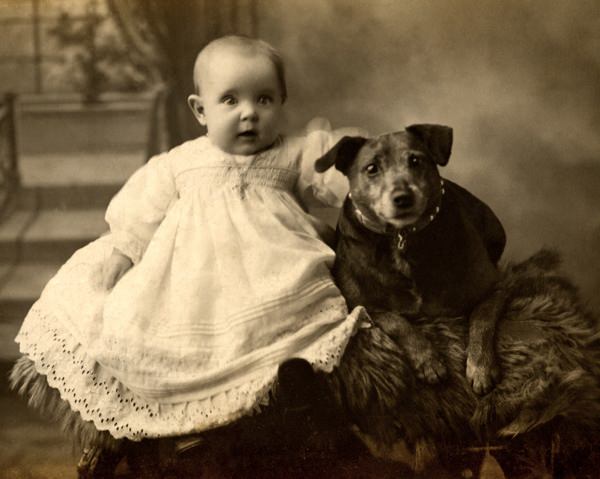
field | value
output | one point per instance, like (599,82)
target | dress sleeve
(137,210)
(331,187)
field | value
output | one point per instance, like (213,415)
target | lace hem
(99,397)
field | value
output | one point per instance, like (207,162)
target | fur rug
(547,343)
(549,350)
(47,401)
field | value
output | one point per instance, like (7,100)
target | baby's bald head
(240,45)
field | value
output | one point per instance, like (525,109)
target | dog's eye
(414,160)
(372,169)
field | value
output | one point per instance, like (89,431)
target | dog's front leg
(425,360)
(483,371)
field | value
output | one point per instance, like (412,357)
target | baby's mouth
(249,134)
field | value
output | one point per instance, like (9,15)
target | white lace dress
(230,278)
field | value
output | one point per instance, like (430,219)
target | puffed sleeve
(331,187)
(136,211)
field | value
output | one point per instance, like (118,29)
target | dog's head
(394,179)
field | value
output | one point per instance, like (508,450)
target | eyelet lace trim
(99,397)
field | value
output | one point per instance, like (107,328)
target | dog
(412,245)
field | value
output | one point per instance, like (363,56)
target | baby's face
(241,102)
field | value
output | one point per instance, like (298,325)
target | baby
(213,273)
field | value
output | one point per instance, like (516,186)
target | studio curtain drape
(163,38)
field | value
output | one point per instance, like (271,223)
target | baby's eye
(413,160)
(265,99)
(372,169)
(229,100)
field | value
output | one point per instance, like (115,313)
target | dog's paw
(482,377)
(433,371)
(428,364)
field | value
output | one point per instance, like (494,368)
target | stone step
(64,124)
(74,181)
(66,197)
(9,350)
(23,283)
(20,287)
(82,168)
(48,235)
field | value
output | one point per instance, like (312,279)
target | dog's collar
(403,233)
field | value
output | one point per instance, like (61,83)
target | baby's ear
(197,106)
(342,154)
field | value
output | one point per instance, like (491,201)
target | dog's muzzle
(403,200)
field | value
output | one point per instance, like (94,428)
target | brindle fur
(449,265)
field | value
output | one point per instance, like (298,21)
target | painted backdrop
(519,81)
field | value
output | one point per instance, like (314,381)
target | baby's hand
(115,267)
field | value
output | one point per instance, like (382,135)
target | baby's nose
(248,111)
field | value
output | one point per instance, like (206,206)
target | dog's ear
(342,154)
(438,139)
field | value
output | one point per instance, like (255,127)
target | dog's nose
(403,200)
